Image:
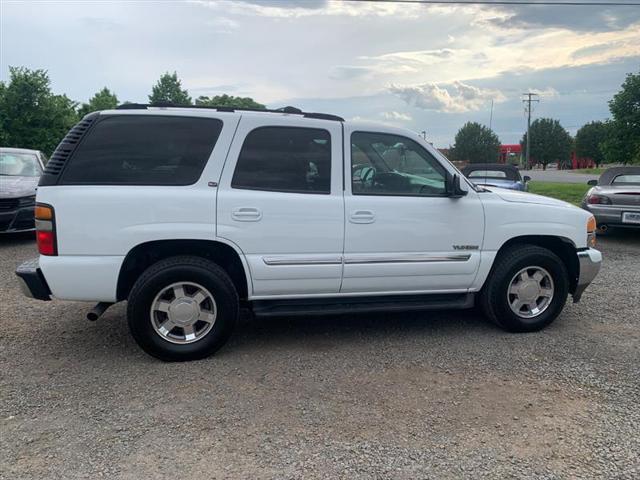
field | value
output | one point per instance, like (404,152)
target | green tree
(589,140)
(31,116)
(623,130)
(169,89)
(229,101)
(4,135)
(103,100)
(550,142)
(475,143)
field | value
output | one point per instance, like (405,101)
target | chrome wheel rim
(183,312)
(530,292)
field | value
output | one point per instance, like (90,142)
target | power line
(506,2)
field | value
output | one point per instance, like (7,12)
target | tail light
(595,199)
(46,229)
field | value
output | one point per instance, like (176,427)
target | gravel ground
(438,395)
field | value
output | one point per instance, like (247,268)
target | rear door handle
(246,214)
(362,216)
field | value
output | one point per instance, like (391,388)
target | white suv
(189,213)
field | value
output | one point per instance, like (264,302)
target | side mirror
(454,190)
(526,178)
(593,183)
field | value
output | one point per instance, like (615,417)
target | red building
(581,162)
(510,154)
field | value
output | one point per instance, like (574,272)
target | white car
(20,169)
(188,213)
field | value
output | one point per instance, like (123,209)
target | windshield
(487,174)
(19,165)
(626,180)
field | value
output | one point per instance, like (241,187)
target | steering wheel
(367,174)
(429,190)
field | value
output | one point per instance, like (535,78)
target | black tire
(182,269)
(494,299)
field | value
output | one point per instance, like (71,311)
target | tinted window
(383,164)
(144,150)
(285,159)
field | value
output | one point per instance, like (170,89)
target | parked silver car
(496,175)
(20,170)
(615,198)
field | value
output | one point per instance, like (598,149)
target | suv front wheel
(182,308)
(526,290)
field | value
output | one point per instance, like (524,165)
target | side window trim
(437,166)
(233,180)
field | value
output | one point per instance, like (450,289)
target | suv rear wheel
(182,308)
(526,290)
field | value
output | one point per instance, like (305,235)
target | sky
(424,67)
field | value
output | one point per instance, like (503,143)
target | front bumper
(589,261)
(17,215)
(32,282)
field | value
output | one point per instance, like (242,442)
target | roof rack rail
(221,108)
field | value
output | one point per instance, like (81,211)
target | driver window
(384,164)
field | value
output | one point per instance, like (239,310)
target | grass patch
(569,192)
(589,171)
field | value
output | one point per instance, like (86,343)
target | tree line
(616,140)
(32,116)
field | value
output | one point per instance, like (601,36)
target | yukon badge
(466,247)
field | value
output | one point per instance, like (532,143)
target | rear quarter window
(143,150)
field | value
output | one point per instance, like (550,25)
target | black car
(496,175)
(20,170)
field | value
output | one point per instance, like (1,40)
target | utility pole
(491,115)
(527,108)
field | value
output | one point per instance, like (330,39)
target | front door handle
(362,216)
(246,214)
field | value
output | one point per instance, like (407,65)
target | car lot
(429,395)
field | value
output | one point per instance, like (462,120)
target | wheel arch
(143,255)
(563,247)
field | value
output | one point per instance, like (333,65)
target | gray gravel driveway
(404,396)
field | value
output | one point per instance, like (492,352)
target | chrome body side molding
(406,258)
(365,259)
(286,261)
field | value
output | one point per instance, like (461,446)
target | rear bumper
(32,282)
(612,214)
(590,261)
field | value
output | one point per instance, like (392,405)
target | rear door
(280,201)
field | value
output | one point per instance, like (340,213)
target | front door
(403,233)
(280,201)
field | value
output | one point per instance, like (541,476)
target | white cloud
(313,8)
(330,56)
(223,24)
(453,98)
(545,92)
(396,116)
